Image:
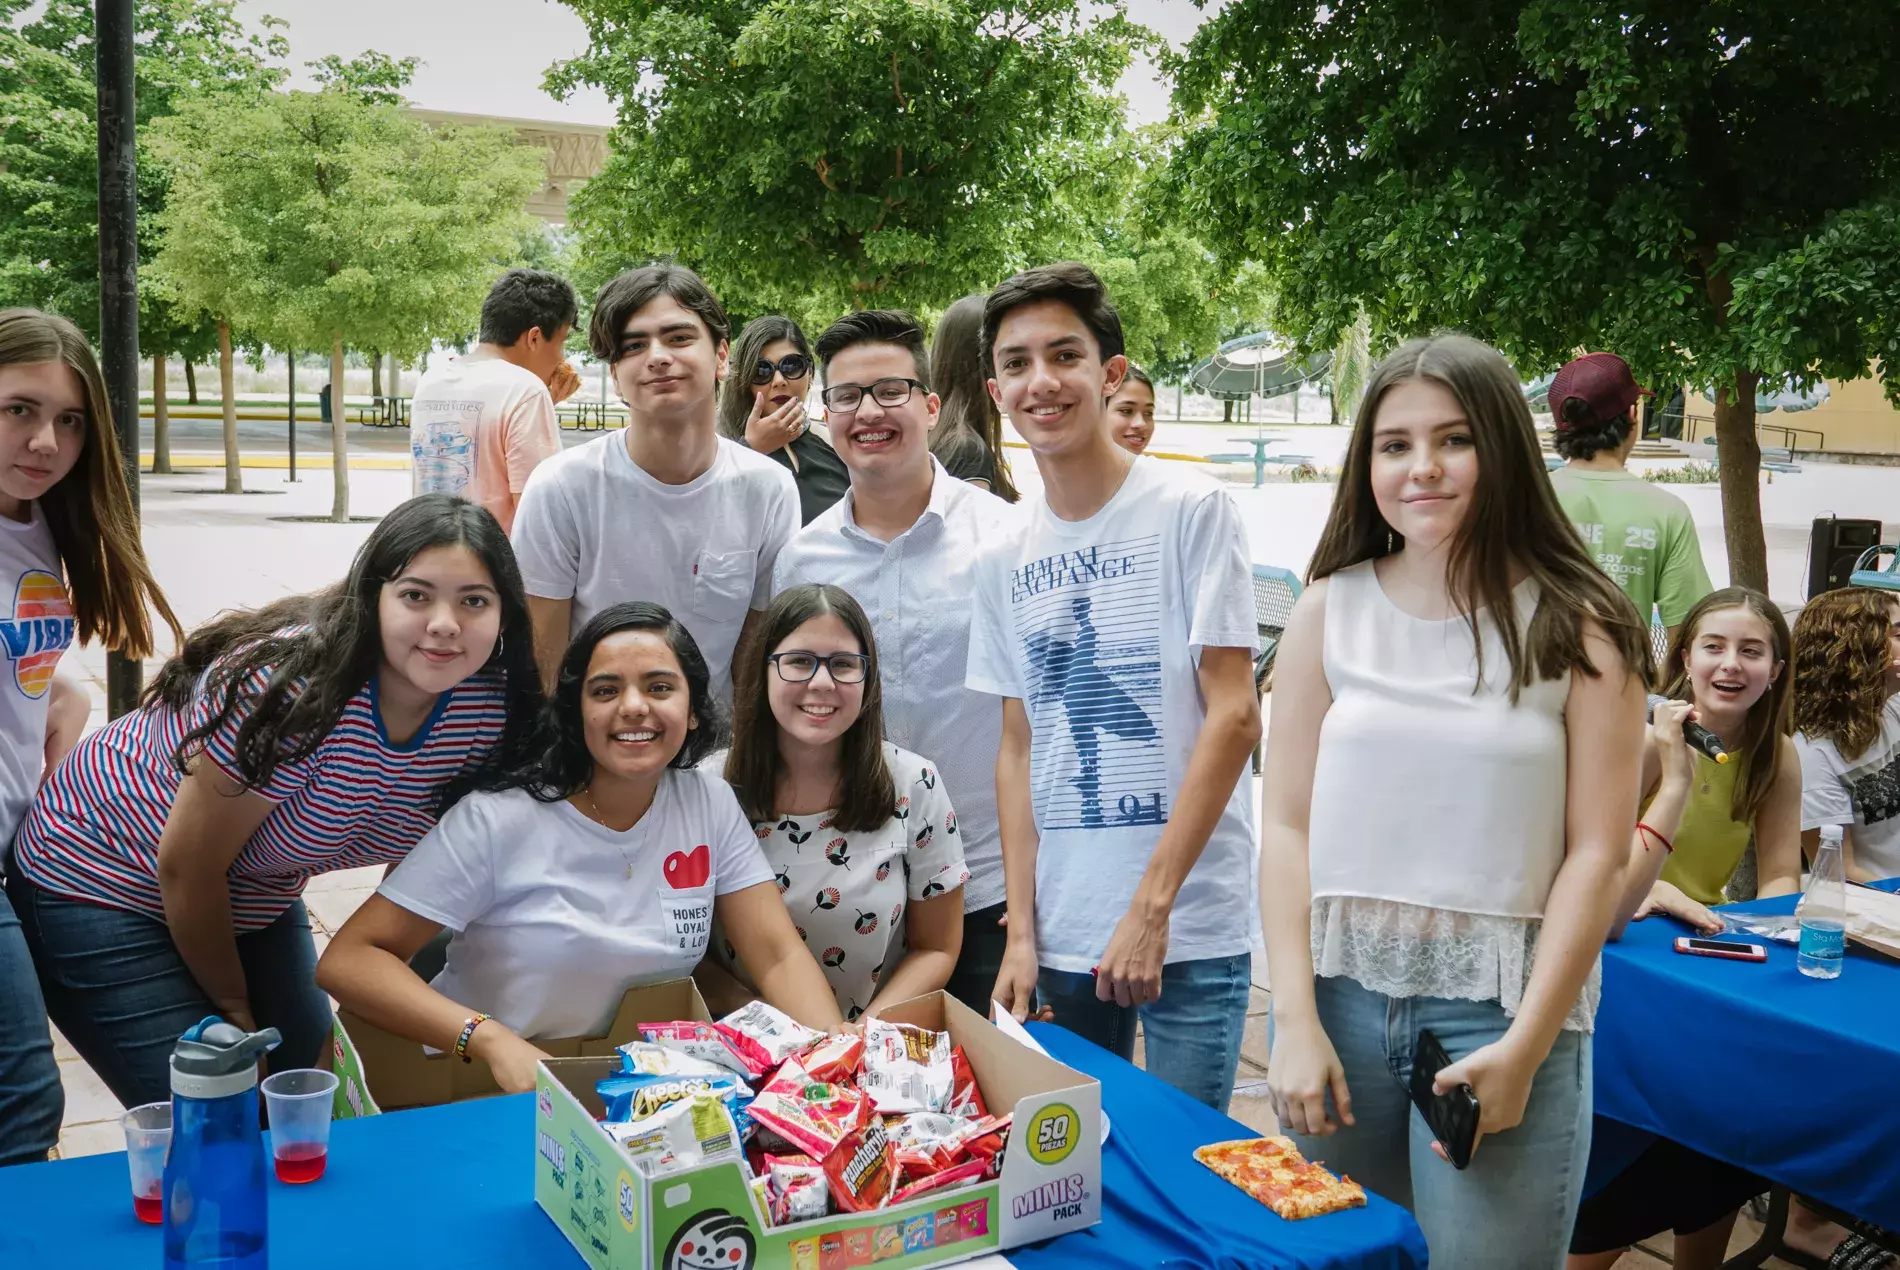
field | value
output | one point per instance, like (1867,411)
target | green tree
(808,156)
(1712,191)
(333,218)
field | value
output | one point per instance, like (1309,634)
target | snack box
(401,1074)
(616,1219)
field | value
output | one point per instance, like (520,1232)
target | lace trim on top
(1407,950)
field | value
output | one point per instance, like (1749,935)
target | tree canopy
(1712,192)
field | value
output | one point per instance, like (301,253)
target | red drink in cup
(148,1136)
(298,1105)
(149,1209)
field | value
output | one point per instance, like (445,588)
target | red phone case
(1743,952)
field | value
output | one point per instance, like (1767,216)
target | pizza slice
(1273,1171)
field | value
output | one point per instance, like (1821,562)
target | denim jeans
(32,1101)
(980,961)
(1191,1033)
(117,987)
(1514,1207)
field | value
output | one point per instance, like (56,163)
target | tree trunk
(191,382)
(1740,453)
(375,374)
(339,439)
(395,376)
(161,420)
(227,388)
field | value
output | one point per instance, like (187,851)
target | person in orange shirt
(481,423)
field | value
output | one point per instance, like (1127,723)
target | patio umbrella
(1257,365)
(1785,397)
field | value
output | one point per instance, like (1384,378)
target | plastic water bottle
(215,1212)
(1822,912)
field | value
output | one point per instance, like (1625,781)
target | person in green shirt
(1642,536)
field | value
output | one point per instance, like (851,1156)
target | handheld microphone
(1699,738)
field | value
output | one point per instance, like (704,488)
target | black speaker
(1833,548)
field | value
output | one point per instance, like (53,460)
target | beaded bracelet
(468,1030)
(1669,848)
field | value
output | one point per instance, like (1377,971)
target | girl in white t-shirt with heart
(599,870)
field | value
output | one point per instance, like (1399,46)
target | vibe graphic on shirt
(1087,621)
(39,632)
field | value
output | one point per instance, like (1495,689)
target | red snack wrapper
(810,1115)
(915,1163)
(966,1099)
(709,1041)
(837,1059)
(967,1171)
(861,1169)
(985,1139)
(906,1068)
(767,1034)
(794,1189)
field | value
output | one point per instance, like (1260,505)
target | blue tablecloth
(453,1187)
(1796,1079)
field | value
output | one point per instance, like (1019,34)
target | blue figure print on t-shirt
(1089,626)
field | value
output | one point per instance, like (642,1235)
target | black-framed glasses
(792,366)
(844,398)
(798,666)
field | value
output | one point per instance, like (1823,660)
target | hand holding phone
(1452,1116)
(1726,949)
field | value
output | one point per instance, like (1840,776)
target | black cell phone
(1452,1117)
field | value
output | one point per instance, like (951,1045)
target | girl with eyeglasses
(762,403)
(860,833)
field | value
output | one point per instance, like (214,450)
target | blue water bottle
(215,1214)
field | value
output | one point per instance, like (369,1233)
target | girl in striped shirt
(160,870)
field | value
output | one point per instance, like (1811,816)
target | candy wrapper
(861,1169)
(810,1115)
(777,1034)
(795,1189)
(695,1130)
(966,1099)
(708,1042)
(956,1175)
(906,1068)
(642,1058)
(835,1059)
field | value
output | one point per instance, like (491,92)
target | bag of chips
(986,1140)
(810,1115)
(966,1099)
(906,1068)
(695,1130)
(642,1058)
(861,1169)
(835,1059)
(920,1128)
(795,1189)
(707,1042)
(629,1097)
(955,1175)
(777,1035)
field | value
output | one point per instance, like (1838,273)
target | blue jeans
(32,1101)
(1191,1032)
(973,982)
(1514,1207)
(117,987)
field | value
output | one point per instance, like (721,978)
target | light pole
(119,274)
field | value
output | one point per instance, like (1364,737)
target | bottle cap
(214,1058)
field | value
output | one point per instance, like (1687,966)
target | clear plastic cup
(148,1138)
(298,1104)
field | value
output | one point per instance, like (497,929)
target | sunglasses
(792,366)
(802,667)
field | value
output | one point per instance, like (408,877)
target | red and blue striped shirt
(357,799)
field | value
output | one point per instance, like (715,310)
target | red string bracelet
(1668,847)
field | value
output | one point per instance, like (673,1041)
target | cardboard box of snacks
(401,1073)
(619,1219)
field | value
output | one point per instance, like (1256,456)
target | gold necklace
(593,811)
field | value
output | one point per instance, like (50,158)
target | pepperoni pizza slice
(1273,1171)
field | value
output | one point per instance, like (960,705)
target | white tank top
(1437,819)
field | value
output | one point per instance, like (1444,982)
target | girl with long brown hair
(1847,725)
(72,570)
(1449,799)
(968,438)
(859,832)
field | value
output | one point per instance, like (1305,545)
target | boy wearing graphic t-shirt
(1119,631)
(665,509)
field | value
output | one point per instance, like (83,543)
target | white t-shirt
(557,916)
(596,527)
(478,427)
(1864,793)
(36,628)
(1097,627)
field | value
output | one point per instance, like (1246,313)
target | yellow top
(1709,840)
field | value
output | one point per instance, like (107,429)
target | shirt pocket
(686,920)
(722,584)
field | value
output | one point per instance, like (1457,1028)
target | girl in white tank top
(1457,670)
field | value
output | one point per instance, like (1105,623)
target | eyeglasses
(844,398)
(792,366)
(801,667)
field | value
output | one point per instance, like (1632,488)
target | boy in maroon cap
(1641,534)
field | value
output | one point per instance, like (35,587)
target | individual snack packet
(777,1034)
(695,1130)
(706,1041)
(835,1059)
(810,1115)
(956,1174)
(906,1068)
(643,1058)
(795,1189)
(628,1097)
(861,1169)
(986,1140)
(921,1127)
(966,1099)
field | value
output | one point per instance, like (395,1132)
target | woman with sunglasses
(762,404)
(860,833)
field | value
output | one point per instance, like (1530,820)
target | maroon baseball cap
(1602,381)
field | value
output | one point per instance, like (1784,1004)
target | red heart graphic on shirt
(688,869)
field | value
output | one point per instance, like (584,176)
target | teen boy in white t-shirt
(664,509)
(1119,631)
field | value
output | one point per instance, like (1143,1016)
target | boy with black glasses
(665,509)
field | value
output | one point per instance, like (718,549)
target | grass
(1694,472)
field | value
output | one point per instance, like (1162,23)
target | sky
(488,56)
